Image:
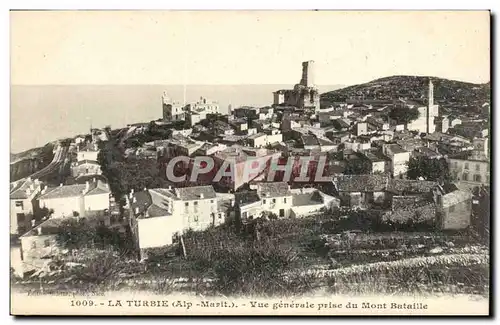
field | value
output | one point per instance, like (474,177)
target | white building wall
(155,232)
(87,155)
(198,214)
(275,204)
(64,207)
(96,202)
(399,163)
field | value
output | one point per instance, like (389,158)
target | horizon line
(250,84)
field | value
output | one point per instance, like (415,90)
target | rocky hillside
(447,93)
(30,161)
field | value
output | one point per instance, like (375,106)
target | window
(455,164)
(264,201)
(466,166)
(477,178)
(452,208)
(211,201)
(274,200)
(33,245)
(244,215)
(220,216)
(19,204)
(195,202)
(46,243)
(465,177)
(186,204)
(478,167)
(195,218)
(284,200)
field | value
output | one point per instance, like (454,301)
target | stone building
(304,95)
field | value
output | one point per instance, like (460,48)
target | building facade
(23,204)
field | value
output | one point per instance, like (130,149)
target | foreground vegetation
(278,257)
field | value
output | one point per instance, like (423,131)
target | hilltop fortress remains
(304,95)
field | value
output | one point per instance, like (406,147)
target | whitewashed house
(76,200)
(157,215)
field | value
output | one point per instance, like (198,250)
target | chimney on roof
(134,200)
(137,210)
(33,222)
(202,196)
(87,186)
(170,187)
(131,195)
(60,184)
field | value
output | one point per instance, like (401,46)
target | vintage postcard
(250,163)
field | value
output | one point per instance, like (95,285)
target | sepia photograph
(279,162)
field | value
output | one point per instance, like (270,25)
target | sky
(247,47)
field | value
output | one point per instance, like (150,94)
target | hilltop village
(403,161)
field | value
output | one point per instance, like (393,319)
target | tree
(429,169)
(404,115)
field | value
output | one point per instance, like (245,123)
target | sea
(41,114)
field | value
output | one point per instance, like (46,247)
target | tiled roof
(427,152)
(375,156)
(400,186)
(456,197)
(402,202)
(418,212)
(194,193)
(395,148)
(65,191)
(50,226)
(257,135)
(246,197)
(303,199)
(309,140)
(18,191)
(142,201)
(101,188)
(325,142)
(360,183)
(273,189)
